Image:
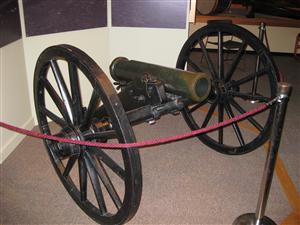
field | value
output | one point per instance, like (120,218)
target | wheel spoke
(70,165)
(76,93)
(53,117)
(250,77)
(197,67)
(57,100)
(82,178)
(220,119)
(191,63)
(107,160)
(235,126)
(101,184)
(235,62)
(208,60)
(88,116)
(209,114)
(196,106)
(62,88)
(250,119)
(249,96)
(107,182)
(96,184)
(212,45)
(107,134)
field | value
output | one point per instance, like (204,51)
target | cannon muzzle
(194,86)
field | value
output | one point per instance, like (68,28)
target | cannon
(222,71)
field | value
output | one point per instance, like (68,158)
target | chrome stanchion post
(284,90)
(259,218)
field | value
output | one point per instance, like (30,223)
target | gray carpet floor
(184,182)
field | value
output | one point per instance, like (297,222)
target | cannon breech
(193,86)
(149,91)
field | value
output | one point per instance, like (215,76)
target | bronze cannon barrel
(194,86)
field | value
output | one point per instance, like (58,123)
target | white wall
(281,39)
(155,45)
(14,97)
(18,61)
(159,46)
(94,42)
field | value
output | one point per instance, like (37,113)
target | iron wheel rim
(103,89)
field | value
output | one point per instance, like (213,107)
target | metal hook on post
(259,218)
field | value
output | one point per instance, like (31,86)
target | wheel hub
(221,90)
(67,149)
(221,87)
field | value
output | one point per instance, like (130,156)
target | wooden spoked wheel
(106,184)
(229,54)
(210,7)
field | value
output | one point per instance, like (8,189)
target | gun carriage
(212,82)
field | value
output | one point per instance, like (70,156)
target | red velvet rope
(140,144)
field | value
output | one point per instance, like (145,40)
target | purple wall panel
(149,13)
(52,16)
(10,27)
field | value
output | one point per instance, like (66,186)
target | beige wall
(18,61)
(281,39)
(14,97)
(153,45)
(104,44)
(159,46)
(94,42)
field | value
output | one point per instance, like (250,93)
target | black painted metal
(147,92)
(145,100)
(110,184)
(206,51)
(151,91)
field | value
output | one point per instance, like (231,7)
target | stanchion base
(250,219)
